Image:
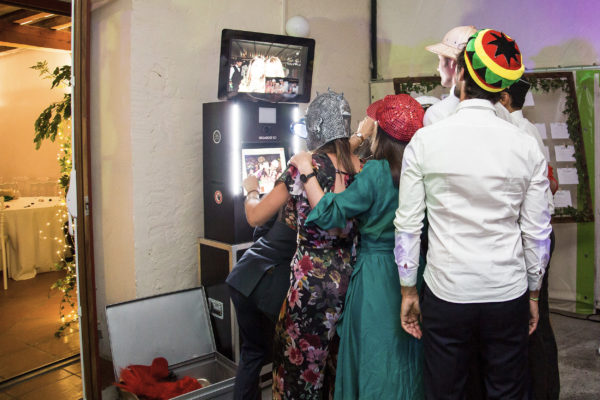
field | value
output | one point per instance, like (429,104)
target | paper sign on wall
(559,130)
(567,176)
(562,198)
(547,152)
(564,153)
(542,130)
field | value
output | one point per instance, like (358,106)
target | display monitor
(265,67)
(266,164)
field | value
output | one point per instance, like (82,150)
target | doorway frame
(86,278)
(80,53)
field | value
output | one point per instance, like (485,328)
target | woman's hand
(251,183)
(367,127)
(303,162)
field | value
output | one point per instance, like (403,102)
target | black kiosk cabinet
(239,138)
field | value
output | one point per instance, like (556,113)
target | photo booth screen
(266,164)
(265,67)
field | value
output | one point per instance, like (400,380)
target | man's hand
(534,315)
(410,312)
(250,183)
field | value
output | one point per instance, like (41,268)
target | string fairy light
(64,249)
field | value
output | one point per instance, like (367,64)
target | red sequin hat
(400,116)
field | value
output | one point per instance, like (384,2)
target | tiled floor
(60,384)
(29,313)
(579,364)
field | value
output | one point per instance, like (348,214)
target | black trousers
(449,333)
(544,378)
(256,331)
(543,352)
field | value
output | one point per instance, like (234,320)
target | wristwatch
(305,178)
(360,137)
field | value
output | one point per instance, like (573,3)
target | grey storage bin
(175,326)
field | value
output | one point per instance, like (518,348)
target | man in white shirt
(543,352)
(447,50)
(483,183)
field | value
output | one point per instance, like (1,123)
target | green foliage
(418,87)
(67,285)
(47,127)
(47,124)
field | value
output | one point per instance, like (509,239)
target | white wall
(110,142)
(24,94)
(549,33)
(154,62)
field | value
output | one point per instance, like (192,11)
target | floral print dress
(304,357)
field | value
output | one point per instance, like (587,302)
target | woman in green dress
(377,359)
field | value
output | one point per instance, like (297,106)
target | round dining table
(36,240)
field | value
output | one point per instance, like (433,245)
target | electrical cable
(586,317)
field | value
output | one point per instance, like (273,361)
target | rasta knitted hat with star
(493,60)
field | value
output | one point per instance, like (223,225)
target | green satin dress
(377,359)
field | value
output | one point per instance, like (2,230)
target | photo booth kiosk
(239,138)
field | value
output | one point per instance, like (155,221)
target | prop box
(175,326)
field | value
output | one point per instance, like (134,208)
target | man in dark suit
(258,284)
(236,75)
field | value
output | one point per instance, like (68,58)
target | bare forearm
(355,142)
(254,216)
(314,192)
(259,211)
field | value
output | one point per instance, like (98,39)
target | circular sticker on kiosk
(218,197)
(216,136)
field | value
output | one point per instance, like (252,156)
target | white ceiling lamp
(297,26)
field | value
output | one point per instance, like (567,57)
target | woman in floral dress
(377,358)
(304,355)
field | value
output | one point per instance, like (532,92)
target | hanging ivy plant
(410,85)
(48,127)
(561,82)
(48,123)
(544,83)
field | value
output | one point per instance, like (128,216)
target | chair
(23,185)
(3,239)
(44,186)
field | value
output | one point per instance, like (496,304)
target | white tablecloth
(35,235)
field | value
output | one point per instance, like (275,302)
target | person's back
(377,359)
(477,169)
(483,182)
(376,224)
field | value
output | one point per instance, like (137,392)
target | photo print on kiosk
(266,164)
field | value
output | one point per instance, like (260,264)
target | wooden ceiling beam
(32,18)
(51,6)
(14,35)
(16,15)
(5,48)
(4,9)
(52,23)
(62,26)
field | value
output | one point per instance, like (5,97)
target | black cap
(518,91)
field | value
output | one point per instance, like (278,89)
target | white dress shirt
(483,183)
(446,107)
(523,123)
